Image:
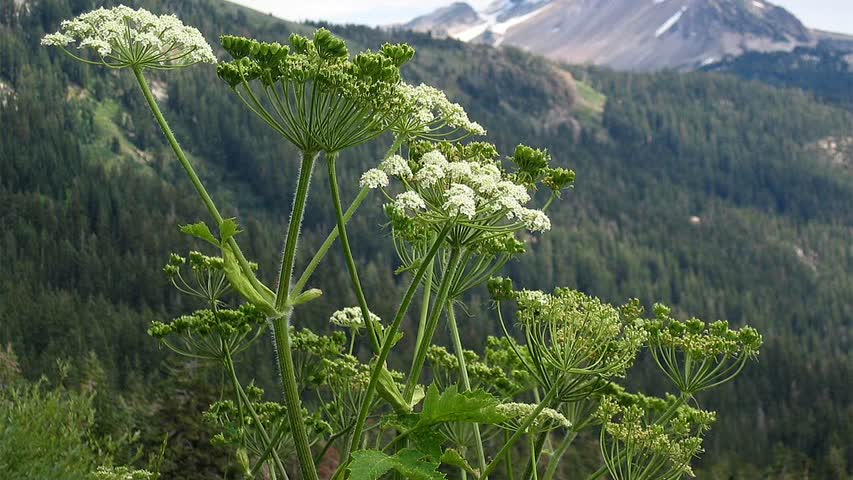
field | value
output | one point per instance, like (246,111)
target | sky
(832,15)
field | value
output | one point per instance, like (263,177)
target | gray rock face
(625,34)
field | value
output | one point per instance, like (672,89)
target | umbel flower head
(636,446)
(574,343)
(121,37)
(431,116)
(313,94)
(697,356)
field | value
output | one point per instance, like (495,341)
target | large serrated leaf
(453,406)
(200,230)
(412,464)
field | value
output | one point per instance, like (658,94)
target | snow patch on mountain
(670,23)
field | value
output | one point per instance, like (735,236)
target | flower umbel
(122,37)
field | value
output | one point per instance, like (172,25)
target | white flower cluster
(467,188)
(547,419)
(432,111)
(396,166)
(374,178)
(409,201)
(124,37)
(351,317)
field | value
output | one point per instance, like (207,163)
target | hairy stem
(463,369)
(331,159)
(289,257)
(281,336)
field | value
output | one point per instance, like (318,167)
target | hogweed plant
(458,212)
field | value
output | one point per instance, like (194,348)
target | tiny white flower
(461,200)
(459,171)
(374,178)
(396,166)
(350,317)
(409,201)
(534,220)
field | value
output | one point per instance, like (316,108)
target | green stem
(386,344)
(331,159)
(425,305)
(554,461)
(327,244)
(188,168)
(289,257)
(463,369)
(281,336)
(518,433)
(244,399)
(533,457)
(509,468)
(432,324)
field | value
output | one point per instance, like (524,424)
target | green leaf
(412,464)
(242,283)
(228,228)
(452,406)
(307,296)
(200,230)
(455,459)
(387,388)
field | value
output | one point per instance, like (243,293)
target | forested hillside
(699,190)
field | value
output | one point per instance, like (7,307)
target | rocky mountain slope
(625,34)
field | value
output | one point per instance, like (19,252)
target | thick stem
(331,159)
(386,344)
(289,257)
(432,324)
(463,370)
(188,168)
(281,336)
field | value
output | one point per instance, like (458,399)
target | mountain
(700,190)
(825,70)
(625,34)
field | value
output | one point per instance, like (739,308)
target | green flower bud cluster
(501,379)
(239,424)
(697,356)
(207,280)
(700,339)
(211,333)
(575,342)
(223,322)
(533,168)
(636,449)
(320,99)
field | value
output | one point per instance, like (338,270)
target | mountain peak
(625,34)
